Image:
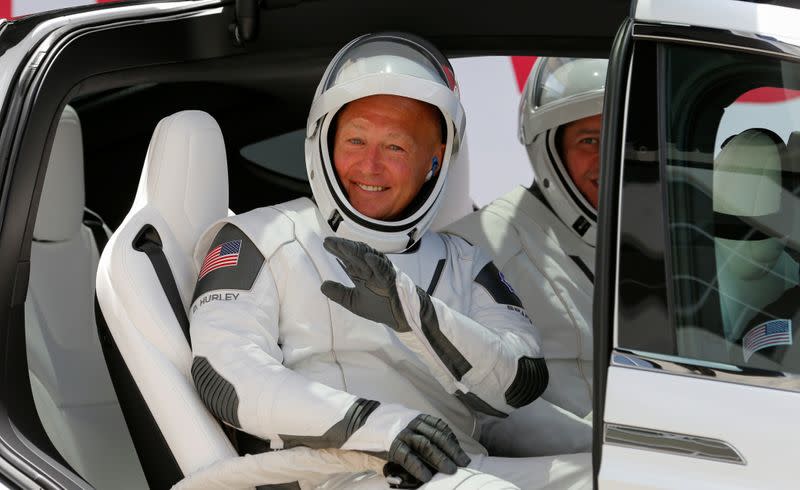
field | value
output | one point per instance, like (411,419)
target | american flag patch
(223,255)
(767,334)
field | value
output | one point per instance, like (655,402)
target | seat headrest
(185,175)
(747,174)
(61,204)
(748,184)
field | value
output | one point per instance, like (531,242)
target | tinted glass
(709,227)
(733,153)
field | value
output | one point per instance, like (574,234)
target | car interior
(232,134)
(247,137)
(171,183)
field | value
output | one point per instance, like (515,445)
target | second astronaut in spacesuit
(542,238)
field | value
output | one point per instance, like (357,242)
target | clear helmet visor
(389,54)
(391,64)
(563,78)
(561,90)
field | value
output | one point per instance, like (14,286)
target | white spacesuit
(542,239)
(315,325)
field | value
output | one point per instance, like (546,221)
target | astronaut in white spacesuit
(542,239)
(344,323)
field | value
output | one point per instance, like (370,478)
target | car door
(697,301)
(46,60)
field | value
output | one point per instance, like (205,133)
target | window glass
(732,175)
(282,154)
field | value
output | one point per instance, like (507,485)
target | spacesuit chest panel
(311,324)
(426,263)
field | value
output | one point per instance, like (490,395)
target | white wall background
(25,7)
(490,95)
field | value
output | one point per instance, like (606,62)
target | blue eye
(355,141)
(395,148)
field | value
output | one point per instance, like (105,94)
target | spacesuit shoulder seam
(254,223)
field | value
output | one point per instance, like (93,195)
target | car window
(282,154)
(729,150)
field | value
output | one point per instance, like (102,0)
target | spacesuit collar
(537,193)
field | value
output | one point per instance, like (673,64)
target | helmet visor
(390,54)
(558,91)
(562,78)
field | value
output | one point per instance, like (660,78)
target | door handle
(672,443)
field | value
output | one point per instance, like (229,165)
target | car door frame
(673,30)
(613,124)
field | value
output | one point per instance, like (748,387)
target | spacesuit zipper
(341,369)
(336,359)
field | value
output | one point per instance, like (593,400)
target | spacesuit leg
(572,471)
(463,479)
(538,429)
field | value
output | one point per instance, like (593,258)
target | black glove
(426,446)
(374,296)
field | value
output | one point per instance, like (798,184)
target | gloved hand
(426,444)
(374,296)
(421,444)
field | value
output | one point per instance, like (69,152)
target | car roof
(574,27)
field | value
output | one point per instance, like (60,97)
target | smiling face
(383,148)
(580,151)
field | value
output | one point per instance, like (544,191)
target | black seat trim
(159,465)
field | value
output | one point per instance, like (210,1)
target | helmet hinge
(411,237)
(335,220)
(581,225)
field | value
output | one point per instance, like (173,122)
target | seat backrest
(69,379)
(183,189)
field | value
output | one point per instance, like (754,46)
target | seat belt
(149,241)
(135,410)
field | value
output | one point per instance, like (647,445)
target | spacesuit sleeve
(237,366)
(490,357)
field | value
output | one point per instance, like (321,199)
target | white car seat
(183,190)
(71,387)
(145,279)
(753,269)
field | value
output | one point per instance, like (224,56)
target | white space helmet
(389,64)
(559,91)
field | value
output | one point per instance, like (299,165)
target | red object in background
(522,68)
(766,95)
(5,9)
